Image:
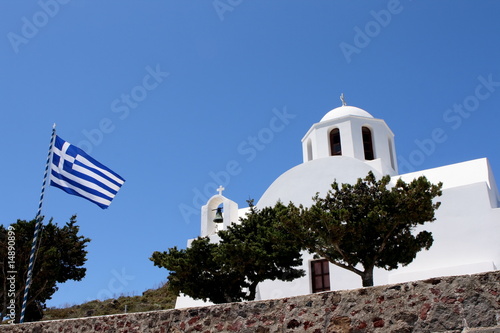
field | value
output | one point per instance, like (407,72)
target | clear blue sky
(168,93)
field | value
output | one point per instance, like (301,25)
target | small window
(391,154)
(320,275)
(367,143)
(309,150)
(335,146)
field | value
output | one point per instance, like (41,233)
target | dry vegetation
(152,299)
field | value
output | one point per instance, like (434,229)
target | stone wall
(435,305)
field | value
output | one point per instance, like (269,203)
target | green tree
(60,256)
(197,272)
(257,249)
(368,224)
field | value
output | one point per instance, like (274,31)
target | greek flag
(75,172)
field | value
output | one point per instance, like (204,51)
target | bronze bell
(218,215)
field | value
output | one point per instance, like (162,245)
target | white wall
(466,231)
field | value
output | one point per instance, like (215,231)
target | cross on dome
(220,189)
(343,99)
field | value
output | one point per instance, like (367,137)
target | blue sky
(181,96)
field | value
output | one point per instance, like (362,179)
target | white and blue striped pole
(38,225)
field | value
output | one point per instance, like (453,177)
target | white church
(345,145)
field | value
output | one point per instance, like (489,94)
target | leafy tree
(367,224)
(60,256)
(196,272)
(258,249)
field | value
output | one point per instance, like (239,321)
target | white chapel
(345,145)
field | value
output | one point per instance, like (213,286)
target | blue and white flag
(75,172)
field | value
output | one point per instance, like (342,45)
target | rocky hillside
(152,299)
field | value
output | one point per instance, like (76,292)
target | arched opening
(335,144)
(367,143)
(218,218)
(391,153)
(309,150)
(209,227)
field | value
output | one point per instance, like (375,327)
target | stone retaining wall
(435,305)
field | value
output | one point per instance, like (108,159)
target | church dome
(345,110)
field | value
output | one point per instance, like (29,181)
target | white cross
(220,189)
(343,99)
(65,157)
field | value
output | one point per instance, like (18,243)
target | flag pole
(38,225)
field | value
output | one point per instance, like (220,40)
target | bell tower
(218,214)
(348,131)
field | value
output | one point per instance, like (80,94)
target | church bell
(218,215)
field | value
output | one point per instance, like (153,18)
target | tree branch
(384,242)
(347,267)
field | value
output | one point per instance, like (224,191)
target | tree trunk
(252,290)
(367,277)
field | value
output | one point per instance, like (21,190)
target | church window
(391,153)
(309,150)
(320,275)
(367,143)
(335,146)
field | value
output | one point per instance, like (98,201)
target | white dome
(302,182)
(344,111)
